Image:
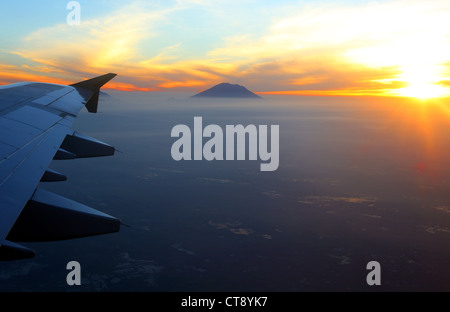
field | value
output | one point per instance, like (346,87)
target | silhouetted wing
(35,128)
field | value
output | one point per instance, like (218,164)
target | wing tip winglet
(96,83)
(93,85)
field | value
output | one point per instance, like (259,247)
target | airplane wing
(35,128)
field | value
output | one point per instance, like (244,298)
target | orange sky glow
(387,48)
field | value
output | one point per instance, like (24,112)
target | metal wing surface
(35,128)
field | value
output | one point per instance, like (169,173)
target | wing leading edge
(35,128)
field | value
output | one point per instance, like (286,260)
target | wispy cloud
(378,48)
(108,43)
(366,47)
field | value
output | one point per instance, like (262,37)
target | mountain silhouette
(227,90)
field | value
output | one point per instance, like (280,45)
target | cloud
(444,83)
(366,47)
(370,49)
(108,43)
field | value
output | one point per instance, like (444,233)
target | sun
(422,90)
(421,78)
(420,71)
(417,54)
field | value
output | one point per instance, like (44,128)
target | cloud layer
(324,49)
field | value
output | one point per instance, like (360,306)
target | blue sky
(316,47)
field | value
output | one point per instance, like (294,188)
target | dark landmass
(227,90)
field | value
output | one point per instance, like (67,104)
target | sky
(351,48)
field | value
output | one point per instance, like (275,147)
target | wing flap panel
(72,103)
(15,133)
(34,117)
(6,150)
(52,96)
